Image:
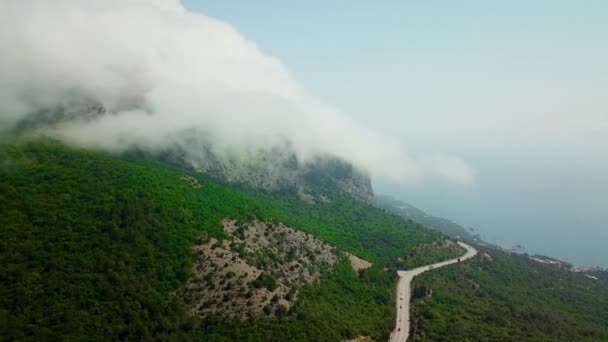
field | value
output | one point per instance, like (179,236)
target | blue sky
(517,89)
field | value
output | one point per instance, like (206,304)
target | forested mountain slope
(102,247)
(410,212)
(500,296)
(94,246)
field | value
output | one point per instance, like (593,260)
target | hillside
(410,212)
(258,270)
(94,245)
(105,247)
(277,170)
(509,297)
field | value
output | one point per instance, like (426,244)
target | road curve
(402,329)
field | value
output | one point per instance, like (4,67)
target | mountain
(277,170)
(410,212)
(101,246)
(274,169)
(113,247)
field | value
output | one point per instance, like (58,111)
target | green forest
(92,246)
(507,297)
(426,254)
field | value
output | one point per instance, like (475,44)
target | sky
(516,92)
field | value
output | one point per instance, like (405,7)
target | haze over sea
(513,204)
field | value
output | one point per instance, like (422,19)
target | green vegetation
(92,245)
(353,226)
(510,298)
(265,280)
(430,253)
(408,211)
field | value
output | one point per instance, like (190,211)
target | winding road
(402,330)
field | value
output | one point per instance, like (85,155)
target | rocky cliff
(279,170)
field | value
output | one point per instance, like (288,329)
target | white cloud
(161,71)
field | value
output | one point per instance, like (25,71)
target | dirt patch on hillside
(487,257)
(358,263)
(257,271)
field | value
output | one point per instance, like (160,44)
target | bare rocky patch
(193,181)
(358,263)
(258,270)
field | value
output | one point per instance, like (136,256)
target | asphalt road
(402,330)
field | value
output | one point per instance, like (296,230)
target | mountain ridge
(409,211)
(276,168)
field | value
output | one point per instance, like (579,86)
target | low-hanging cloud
(160,71)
